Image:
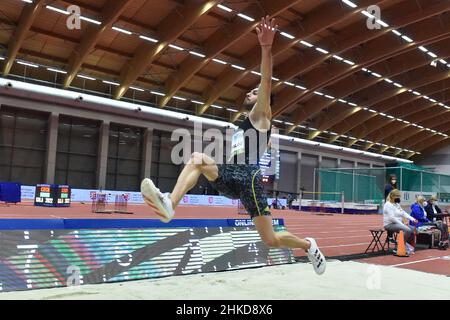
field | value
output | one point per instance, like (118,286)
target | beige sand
(343,280)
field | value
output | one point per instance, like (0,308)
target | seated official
(418,212)
(393,215)
(433,210)
(426,216)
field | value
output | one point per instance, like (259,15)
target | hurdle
(100,203)
(121,204)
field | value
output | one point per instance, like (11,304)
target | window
(23,145)
(124,158)
(308,164)
(163,172)
(288,171)
(77,149)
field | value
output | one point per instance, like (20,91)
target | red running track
(337,235)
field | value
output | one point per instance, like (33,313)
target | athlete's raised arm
(261,112)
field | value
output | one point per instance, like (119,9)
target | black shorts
(243,182)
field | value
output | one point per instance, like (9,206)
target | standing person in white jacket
(393,215)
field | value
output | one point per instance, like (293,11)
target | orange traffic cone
(401,248)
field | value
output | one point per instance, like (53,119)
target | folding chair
(376,242)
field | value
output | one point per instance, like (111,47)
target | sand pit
(343,280)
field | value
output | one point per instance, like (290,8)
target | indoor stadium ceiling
(337,79)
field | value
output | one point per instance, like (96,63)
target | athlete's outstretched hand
(266,31)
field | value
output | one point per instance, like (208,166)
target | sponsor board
(87,195)
(249,222)
(409,197)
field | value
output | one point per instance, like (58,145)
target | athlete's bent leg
(288,240)
(164,204)
(274,239)
(198,164)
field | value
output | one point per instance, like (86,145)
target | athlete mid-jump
(240,179)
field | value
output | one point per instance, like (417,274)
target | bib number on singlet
(237,143)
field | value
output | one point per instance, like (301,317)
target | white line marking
(345,245)
(365,236)
(338,231)
(418,261)
(339,228)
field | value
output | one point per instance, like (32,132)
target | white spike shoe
(161,203)
(316,257)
